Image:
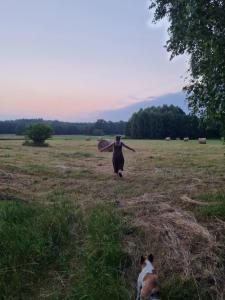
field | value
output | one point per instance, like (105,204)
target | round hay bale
(88,138)
(202,140)
(168,138)
(186,139)
(104,143)
(177,139)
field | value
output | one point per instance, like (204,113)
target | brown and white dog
(147,284)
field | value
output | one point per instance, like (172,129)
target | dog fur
(147,284)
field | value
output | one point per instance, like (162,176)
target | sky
(70,59)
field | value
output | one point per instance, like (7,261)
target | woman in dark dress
(118,159)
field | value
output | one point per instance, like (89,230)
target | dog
(147,284)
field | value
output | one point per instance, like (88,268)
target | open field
(171,202)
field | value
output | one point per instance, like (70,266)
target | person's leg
(120,166)
(115,166)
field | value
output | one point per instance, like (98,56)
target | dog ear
(151,258)
(142,260)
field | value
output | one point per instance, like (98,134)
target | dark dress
(118,159)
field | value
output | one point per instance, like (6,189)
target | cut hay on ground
(185,198)
(181,245)
(103,143)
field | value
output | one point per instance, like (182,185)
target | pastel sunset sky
(67,59)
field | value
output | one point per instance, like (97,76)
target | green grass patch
(32,144)
(69,137)
(102,258)
(8,137)
(78,154)
(214,210)
(43,170)
(40,244)
(32,240)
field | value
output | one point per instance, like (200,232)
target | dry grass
(155,179)
(182,245)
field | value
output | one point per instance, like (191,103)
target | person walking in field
(118,158)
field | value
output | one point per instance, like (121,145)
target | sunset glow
(67,60)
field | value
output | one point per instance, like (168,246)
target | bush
(38,133)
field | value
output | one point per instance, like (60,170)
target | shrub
(38,133)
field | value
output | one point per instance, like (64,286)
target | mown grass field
(80,230)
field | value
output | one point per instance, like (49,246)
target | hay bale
(88,138)
(168,138)
(177,139)
(186,139)
(104,143)
(202,140)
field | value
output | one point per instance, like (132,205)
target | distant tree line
(100,127)
(150,123)
(169,121)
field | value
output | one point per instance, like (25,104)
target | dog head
(144,259)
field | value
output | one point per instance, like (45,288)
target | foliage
(32,239)
(197,28)
(168,121)
(38,133)
(100,127)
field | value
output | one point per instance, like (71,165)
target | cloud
(124,113)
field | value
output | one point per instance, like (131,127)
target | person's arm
(106,147)
(129,148)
